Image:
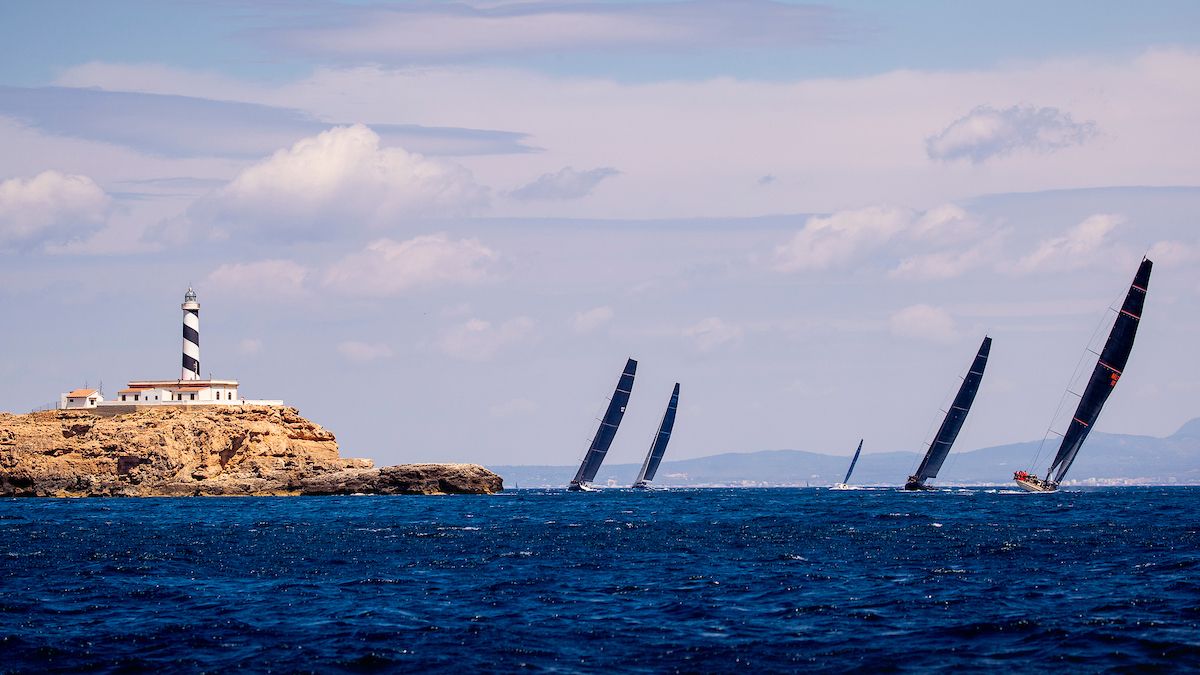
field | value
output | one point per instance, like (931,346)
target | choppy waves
(693,580)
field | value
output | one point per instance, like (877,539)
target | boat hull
(641,485)
(581,487)
(1036,486)
(843,486)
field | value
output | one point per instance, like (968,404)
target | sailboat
(659,447)
(1104,378)
(845,484)
(939,448)
(606,432)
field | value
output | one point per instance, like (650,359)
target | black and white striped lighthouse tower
(191,336)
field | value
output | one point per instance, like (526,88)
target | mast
(659,447)
(608,427)
(939,448)
(854,461)
(1104,377)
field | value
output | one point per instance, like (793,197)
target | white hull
(843,486)
(582,487)
(1039,486)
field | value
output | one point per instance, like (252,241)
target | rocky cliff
(210,451)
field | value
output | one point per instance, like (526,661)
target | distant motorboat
(606,432)
(1104,379)
(659,447)
(845,484)
(939,448)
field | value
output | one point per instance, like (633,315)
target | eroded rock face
(214,451)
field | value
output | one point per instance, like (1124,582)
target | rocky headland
(202,451)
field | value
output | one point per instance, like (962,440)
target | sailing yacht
(1104,378)
(606,432)
(659,447)
(939,448)
(845,484)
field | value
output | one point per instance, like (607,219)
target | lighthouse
(187,392)
(191,336)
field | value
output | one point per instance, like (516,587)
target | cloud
(567,183)
(938,266)
(450,31)
(1077,248)
(517,407)
(263,279)
(50,208)
(363,352)
(338,180)
(988,132)
(151,122)
(388,267)
(1173,253)
(924,322)
(590,320)
(765,180)
(825,241)
(944,224)
(479,340)
(711,333)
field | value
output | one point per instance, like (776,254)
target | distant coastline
(1107,460)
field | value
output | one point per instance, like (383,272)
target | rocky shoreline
(203,451)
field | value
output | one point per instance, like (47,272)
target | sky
(440,228)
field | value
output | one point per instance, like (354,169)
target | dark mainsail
(608,428)
(852,463)
(952,424)
(1104,377)
(659,447)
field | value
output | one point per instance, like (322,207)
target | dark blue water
(689,580)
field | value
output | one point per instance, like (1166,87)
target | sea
(680,580)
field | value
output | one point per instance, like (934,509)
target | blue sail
(608,427)
(854,461)
(939,448)
(1106,373)
(659,447)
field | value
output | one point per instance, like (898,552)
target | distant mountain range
(1105,459)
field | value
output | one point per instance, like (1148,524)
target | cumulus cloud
(846,237)
(50,207)
(388,267)
(924,322)
(337,180)
(590,320)
(944,224)
(1077,248)
(566,183)
(479,340)
(1173,252)
(938,266)
(825,241)
(988,132)
(363,352)
(263,278)
(712,333)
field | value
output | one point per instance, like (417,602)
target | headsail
(939,448)
(1104,377)
(608,427)
(853,462)
(659,447)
